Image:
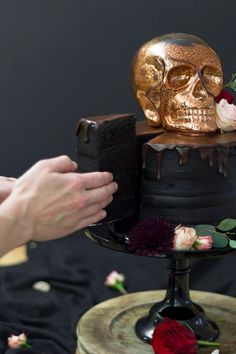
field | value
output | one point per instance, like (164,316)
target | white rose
(225,115)
(184,238)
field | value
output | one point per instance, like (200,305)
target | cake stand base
(109,327)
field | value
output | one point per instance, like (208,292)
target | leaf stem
(26,346)
(119,287)
(209,344)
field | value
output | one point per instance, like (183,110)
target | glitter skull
(175,78)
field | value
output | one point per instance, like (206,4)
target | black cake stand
(177,303)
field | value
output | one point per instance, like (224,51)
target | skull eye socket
(213,80)
(179,76)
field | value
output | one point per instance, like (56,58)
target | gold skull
(175,78)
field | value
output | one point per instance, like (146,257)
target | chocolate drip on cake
(183,155)
(84,125)
(207,146)
(159,163)
(222,155)
(207,153)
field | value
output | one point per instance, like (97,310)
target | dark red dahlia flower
(226,95)
(151,236)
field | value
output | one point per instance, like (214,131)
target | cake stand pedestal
(176,303)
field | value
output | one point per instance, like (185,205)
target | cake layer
(108,161)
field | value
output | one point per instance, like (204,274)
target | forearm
(15,227)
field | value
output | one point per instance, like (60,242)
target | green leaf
(219,240)
(232,85)
(232,243)
(227,224)
(232,82)
(204,229)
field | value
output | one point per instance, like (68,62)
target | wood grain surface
(14,257)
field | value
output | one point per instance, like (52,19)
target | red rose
(170,337)
(227,96)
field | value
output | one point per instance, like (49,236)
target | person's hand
(51,200)
(6,185)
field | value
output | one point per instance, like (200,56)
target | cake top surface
(101,119)
(142,129)
(169,140)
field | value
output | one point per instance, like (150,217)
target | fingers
(94,208)
(61,164)
(100,194)
(95,179)
(93,219)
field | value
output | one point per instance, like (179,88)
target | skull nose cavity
(199,91)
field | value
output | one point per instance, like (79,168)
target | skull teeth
(196,111)
(195,115)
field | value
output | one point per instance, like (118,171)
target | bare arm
(51,201)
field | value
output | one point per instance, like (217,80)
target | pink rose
(113,278)
(203,243)
(225,115)
(17,341)
(184,238)
(115,281)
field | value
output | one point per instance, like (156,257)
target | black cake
(188,180)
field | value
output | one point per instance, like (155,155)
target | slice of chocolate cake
(108,143)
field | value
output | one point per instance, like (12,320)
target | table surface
(108,327)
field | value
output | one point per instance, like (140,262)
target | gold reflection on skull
(175,78)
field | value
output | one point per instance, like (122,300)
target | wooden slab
(14,257)
(108,328)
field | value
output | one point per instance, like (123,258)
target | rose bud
(114,277)
(115,281)
(224,95)
(225,115)
(203,243)
(17,341)
(184,238)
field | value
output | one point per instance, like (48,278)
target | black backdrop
(60,60)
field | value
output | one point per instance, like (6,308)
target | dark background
(59,61)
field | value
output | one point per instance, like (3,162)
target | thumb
(61,164)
